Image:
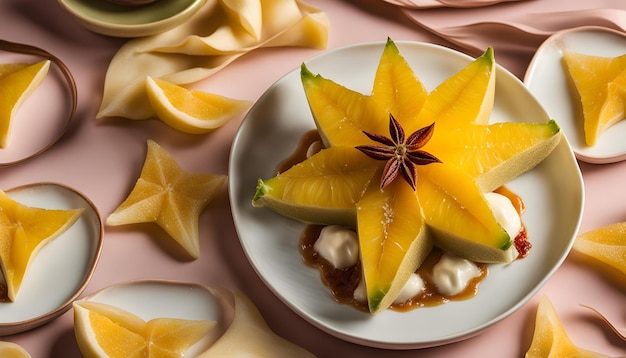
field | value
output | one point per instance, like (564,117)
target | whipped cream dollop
(452,274)
(338,245)
(505,213)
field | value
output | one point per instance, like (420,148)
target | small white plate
(553,193)
(116,20)
(62,268)
(547,79)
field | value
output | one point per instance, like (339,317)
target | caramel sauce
(343,282)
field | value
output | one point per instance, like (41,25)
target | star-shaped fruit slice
(104,330)
(601,86)
(396,224)
(170,197)
(24,231)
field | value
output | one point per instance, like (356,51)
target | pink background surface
(102,159)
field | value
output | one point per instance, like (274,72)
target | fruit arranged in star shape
(396,224)
(104,330)
(17,82)
(24,231)
(550,340)
(601,85)
(172,198)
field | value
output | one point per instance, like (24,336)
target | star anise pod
(402,155)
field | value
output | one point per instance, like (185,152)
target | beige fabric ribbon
(517,29)
(219,33)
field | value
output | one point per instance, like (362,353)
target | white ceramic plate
(547,79)
(131,21)
(62,268)
(553,192)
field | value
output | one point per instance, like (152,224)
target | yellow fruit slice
(392,250)
(601,86)
(550,339)
(191,111)
(24,231)
(322,189)
(170,197)
(606,244)
(104,330)
(12,350)
(249,336)
(17,82)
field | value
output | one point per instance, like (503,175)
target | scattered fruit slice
(601,86)
(17,82)
(170,197)
(550,339)
(24,231)
(249,335)
(103,330)
(606,244)
(321,190)
(461,104)
(191,111)
(12,350)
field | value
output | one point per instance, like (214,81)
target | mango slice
(601,85)
(17,82)
(24,231)
(448,207)
(550,340)
(166,195)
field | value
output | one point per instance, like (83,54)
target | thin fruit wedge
(104,330)
(191,111)
(550,340)
(601,85)
(12,350)
(17,82)
(392,250)
(24,231)
(606,244)
(322,189)
(170,197)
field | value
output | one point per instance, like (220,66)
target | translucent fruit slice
(601,86)
(104,330)
(550,340)
(606,244)
(17,82)
(24,231)
(12,350)
(249,336)
(191,111)
(322,189)
(393,249)
(170,197)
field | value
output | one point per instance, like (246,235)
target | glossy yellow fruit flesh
(550,340)
(606,244)
(191,111)
(103,330)
(24,231)
(170,197)
(17,82)
(601,85)
(322,190)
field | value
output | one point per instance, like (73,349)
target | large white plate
(547,79)
(62,269)
(553,192)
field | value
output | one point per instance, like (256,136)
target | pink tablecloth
(101,159)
